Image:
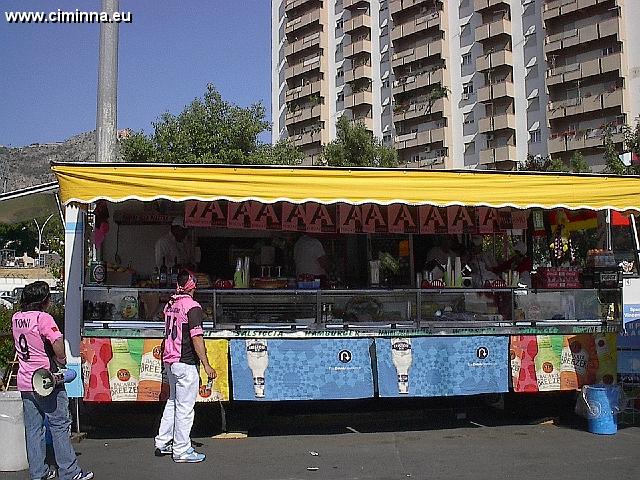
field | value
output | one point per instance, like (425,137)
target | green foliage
(632,144)
(355,146)
(558,165)
(6,343)
(577,164)
(537,163)
(21,237)
(611,155)
(209,130)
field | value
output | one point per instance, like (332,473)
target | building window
(341,97)
(534,104)
(466,58)
(607,51)
(339,48)
(467,90)
(470,148)
(535,136)
(340,73)
(385,83)
(469,118)
(465,30)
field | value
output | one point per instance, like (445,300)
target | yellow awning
(87,183)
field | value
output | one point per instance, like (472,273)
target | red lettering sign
(197,214)
(349,218)
(459,220)
(402,218)
(239,215)
(374,218)
(487,219)
(320,218)
(294,217)
(265,216)
(520,219)
(432,219)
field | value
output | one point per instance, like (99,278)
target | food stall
(379,323)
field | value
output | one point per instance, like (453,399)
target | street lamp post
(40,231)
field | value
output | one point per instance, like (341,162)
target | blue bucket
(603,403)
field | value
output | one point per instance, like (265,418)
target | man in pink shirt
(39,344)
(183,350)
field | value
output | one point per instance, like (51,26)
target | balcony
(305,66)
(497,122)
(293,4)
(306,138)
(497,90)
(368,122)
(361,71)
(419,80)
(353,3)
(361,21)
(493,29)
(557,8)
(303,21)
(418,109)
(303,114)
(358,47)
(420,23)
(568,38)
(396,6)
(585,104)
(358,98)
(590,68)
(310,41)
(485,4)
(303,91)
(422,51)
(506,153)
(496,59)
(435,135)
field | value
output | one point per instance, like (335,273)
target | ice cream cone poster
(442,366)
(95,354)
(213,390)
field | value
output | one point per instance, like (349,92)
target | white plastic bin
(12,443)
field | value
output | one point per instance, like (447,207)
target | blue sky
(171,50)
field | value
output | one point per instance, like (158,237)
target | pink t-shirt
(178,346)
(30,332)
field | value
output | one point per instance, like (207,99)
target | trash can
(603,405)
(12,443)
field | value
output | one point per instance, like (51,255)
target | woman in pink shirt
(39,344)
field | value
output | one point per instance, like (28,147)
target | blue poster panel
(309,369)
(442,366)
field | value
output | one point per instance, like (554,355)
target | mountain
(27,166)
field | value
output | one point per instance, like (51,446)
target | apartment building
(452,83)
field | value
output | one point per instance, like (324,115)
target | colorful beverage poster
(442,366)
(218,355)
(124,368)
(563,362)
(151,377)
(96,354)
(310,369)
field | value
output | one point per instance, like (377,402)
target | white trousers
(177,418)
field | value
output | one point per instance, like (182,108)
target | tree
(578,164)
(209,130)
(611,156)
(538,163)
(355,146)
(632,143)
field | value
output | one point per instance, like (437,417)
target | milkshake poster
(542,363)
(441,366)
(270,369)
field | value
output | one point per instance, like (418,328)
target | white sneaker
(190,456)
(83,476)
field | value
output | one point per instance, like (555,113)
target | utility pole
(107,116)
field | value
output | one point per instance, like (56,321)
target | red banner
(266,216)
(205,214)
(403,218)
(460,220)
(374,218)
(239,215)
(349,218)
(487,219)
(320,218)
(433,220)
(294,217)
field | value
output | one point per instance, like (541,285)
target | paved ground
(369,440)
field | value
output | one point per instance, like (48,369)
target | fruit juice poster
(309,369)
(117,369)
(562,362)
(442,366)
(218,355)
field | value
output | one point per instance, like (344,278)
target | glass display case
(123,307)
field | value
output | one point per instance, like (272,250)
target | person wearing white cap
(175,245)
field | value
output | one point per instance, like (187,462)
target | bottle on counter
(175,268)
(156,277)
(238,275)
(163,273)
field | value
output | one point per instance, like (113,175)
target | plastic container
(603,405)
(12,442)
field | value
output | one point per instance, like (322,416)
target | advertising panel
(119,369)
(543,363)
(442,366)
(267,369)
